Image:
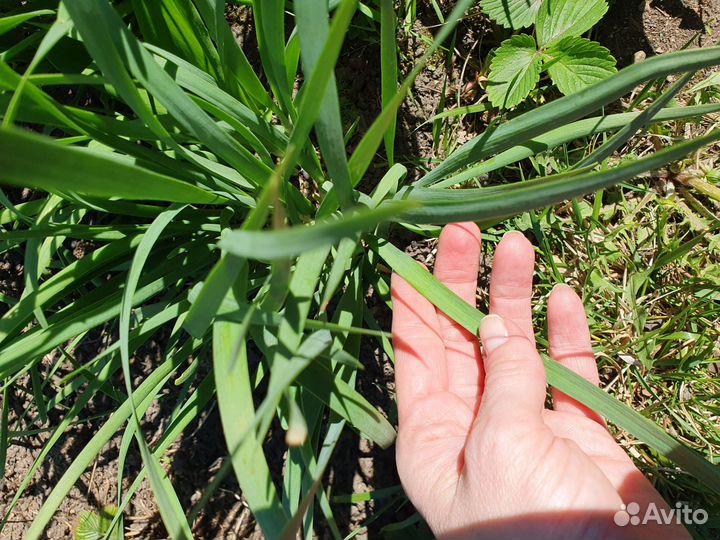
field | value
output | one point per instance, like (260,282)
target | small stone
(628,359)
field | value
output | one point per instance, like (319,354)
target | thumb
(514,374)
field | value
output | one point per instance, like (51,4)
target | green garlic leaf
(577,63)
(561,18)
(514,71)
(512,13)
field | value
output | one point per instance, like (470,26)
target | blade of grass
(577,130)
(144,396)
(64,282)
(311,101)
(365,151)
(281,379)
(205,305)
(342,261)
(234,392)
(22,211)
(316,469)
(341,264)
(284,243)
(232,58)
(176,26)
(95,127)
(320,380)
(56,32)
(348,403)
(99,306)
(460,111)
(232,310)
(34,267)
(225,272)
(645,117)
(197,82)
(388,69)
(570,108)
(285,365)
(486,204)
(13,21)
(4,416)
(187,414)
(122,60)
(270,28)
(169,505)
(107,363)
(312,23)
(32,160)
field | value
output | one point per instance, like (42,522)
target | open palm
(478,453)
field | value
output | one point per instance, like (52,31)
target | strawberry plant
(572,62)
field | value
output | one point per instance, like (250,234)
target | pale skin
(478,452)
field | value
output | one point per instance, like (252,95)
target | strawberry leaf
(557,19)
(577,63)
(514,71)
(513,14)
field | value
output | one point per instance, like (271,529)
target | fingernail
(560,286)
(513,233)
(493,333)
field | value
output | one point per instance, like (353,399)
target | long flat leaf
(144,395)
(237,411)
(176,25)
(438,206)
(311,103)
(122,59)
(313,27)
(347,403)
(388,68)
(283,375)
(569,108)
(577,130)
(168,503)
(198,82)
(270,27)
(188,413)
(97,307)
(285,243)
(30,160)
(232,58)
(82,400)
(225,272)
(622,136)
(13,21)
(364,153)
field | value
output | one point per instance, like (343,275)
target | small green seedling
(94,525)
(573,62)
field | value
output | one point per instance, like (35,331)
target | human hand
(478,453)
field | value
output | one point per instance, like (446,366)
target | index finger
(418,345)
